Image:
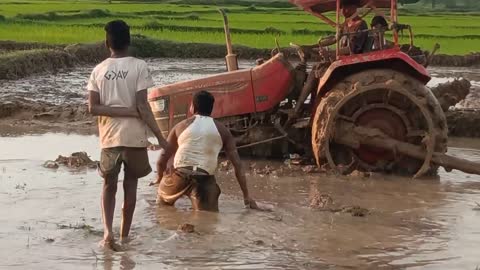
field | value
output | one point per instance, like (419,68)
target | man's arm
(146,115)
(327,41)
(96,109)
(165,155)
(230,148)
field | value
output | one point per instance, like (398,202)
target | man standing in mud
(196,143)
(118,96)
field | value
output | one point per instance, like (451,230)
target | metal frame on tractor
(344,65)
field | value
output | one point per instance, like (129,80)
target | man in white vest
(195,144)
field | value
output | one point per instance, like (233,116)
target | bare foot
(125,240)
(110,244)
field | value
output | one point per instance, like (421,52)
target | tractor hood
(321,6)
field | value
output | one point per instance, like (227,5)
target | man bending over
(196,143)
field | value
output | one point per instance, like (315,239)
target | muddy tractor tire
(394,103)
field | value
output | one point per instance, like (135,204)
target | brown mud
(74,161)
(51,218)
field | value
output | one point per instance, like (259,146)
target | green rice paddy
(66,22)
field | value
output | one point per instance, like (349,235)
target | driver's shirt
(358,40)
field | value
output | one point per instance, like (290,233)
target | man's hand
(250,204)
(96,109)
(154,183)
(146,114)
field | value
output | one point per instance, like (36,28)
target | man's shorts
(134,160)
(202,190)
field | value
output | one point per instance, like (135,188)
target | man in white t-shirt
(118,96)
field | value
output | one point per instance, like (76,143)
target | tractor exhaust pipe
(231,58)
(430,57)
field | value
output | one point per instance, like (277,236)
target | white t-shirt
(117,80)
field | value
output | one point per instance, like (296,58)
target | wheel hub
(389,123)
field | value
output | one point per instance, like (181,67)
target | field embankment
(23,59)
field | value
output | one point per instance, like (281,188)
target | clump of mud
(325,203)
(450,93)
(75,160)
(320,201)
(186,228)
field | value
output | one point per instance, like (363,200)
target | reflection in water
(110,259)
(51,219)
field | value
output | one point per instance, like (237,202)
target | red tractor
(367,111)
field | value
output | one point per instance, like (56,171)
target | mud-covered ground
(51,218)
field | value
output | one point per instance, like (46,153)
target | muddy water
(50,219)
(69,86)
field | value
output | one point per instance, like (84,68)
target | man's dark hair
(379,20)
(203,103)
(118,34)
(350,3)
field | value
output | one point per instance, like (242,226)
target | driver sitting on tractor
(354,31)
(379,25)
(355,28)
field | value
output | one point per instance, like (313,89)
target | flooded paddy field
(51,218)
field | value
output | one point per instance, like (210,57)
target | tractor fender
(389,59)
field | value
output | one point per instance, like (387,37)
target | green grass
(74,22)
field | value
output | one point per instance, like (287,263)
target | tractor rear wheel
(396,104)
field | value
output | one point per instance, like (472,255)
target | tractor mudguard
(390,59)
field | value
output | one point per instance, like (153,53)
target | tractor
(366,111)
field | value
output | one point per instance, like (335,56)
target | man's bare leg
(129,203)
(108,207)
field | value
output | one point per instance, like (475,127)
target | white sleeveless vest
(199,145)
